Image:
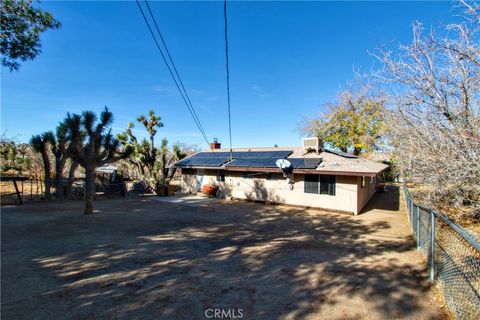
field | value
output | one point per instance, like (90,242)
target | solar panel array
(217,159)
(297,163)
(252,159)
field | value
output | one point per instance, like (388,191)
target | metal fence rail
(453,257)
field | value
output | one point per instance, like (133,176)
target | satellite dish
(283,164)
(286,168)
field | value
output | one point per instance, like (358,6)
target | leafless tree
(433,88)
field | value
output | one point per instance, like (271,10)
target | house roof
(332,162)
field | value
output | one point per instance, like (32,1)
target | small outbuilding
(109,180)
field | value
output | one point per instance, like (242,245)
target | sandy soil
(140,258)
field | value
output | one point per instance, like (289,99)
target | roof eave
(298,171)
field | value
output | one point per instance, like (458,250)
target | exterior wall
(365,193)
(276,190)
(188,180)
(345,197)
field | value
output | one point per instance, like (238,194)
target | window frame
(220,176)
(313,184)
(331,183)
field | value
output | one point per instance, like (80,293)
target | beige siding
(258,187)
(365,193)
(188,181)
(345,195)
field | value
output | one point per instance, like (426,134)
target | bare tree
(433,87)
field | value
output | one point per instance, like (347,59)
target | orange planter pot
(210,190)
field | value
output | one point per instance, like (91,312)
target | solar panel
(260,159)
(297,163)
(249,162)
(202,162)
(305,163)
(244,154)
(340,153)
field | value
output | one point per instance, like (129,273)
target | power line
(173,65)
(184,95)
(228,76)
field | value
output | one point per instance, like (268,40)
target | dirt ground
(141,258)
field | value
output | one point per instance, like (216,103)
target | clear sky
(286,60)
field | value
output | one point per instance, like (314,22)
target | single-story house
(312,177)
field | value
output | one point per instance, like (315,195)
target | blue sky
(286,60)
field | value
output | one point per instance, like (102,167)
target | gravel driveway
(140,258)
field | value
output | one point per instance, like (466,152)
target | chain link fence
(453,257)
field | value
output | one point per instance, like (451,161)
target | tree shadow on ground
(152,260)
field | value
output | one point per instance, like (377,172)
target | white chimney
(312,144)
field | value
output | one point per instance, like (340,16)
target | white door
(200,173)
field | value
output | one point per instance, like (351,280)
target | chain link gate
(453,257)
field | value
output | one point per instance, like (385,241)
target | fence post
(418,228)
(412,215)
(432,246)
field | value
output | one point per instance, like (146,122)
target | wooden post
(18,192)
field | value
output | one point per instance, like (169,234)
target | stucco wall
(259,187)
(365,193)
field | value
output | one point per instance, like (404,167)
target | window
(311,183)
(220,176)
(327,185)
(320,184)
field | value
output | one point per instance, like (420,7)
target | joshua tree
(71,177)
(151,162)
(40,144)
(59,145)
(62,148)
(151,124)
(145,157)
(13,156)
(93,146)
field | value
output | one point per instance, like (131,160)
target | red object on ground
(210,190)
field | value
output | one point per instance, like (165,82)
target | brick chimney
(215,144)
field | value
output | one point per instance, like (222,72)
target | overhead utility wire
(189,107)
(228,77)
(174,67)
